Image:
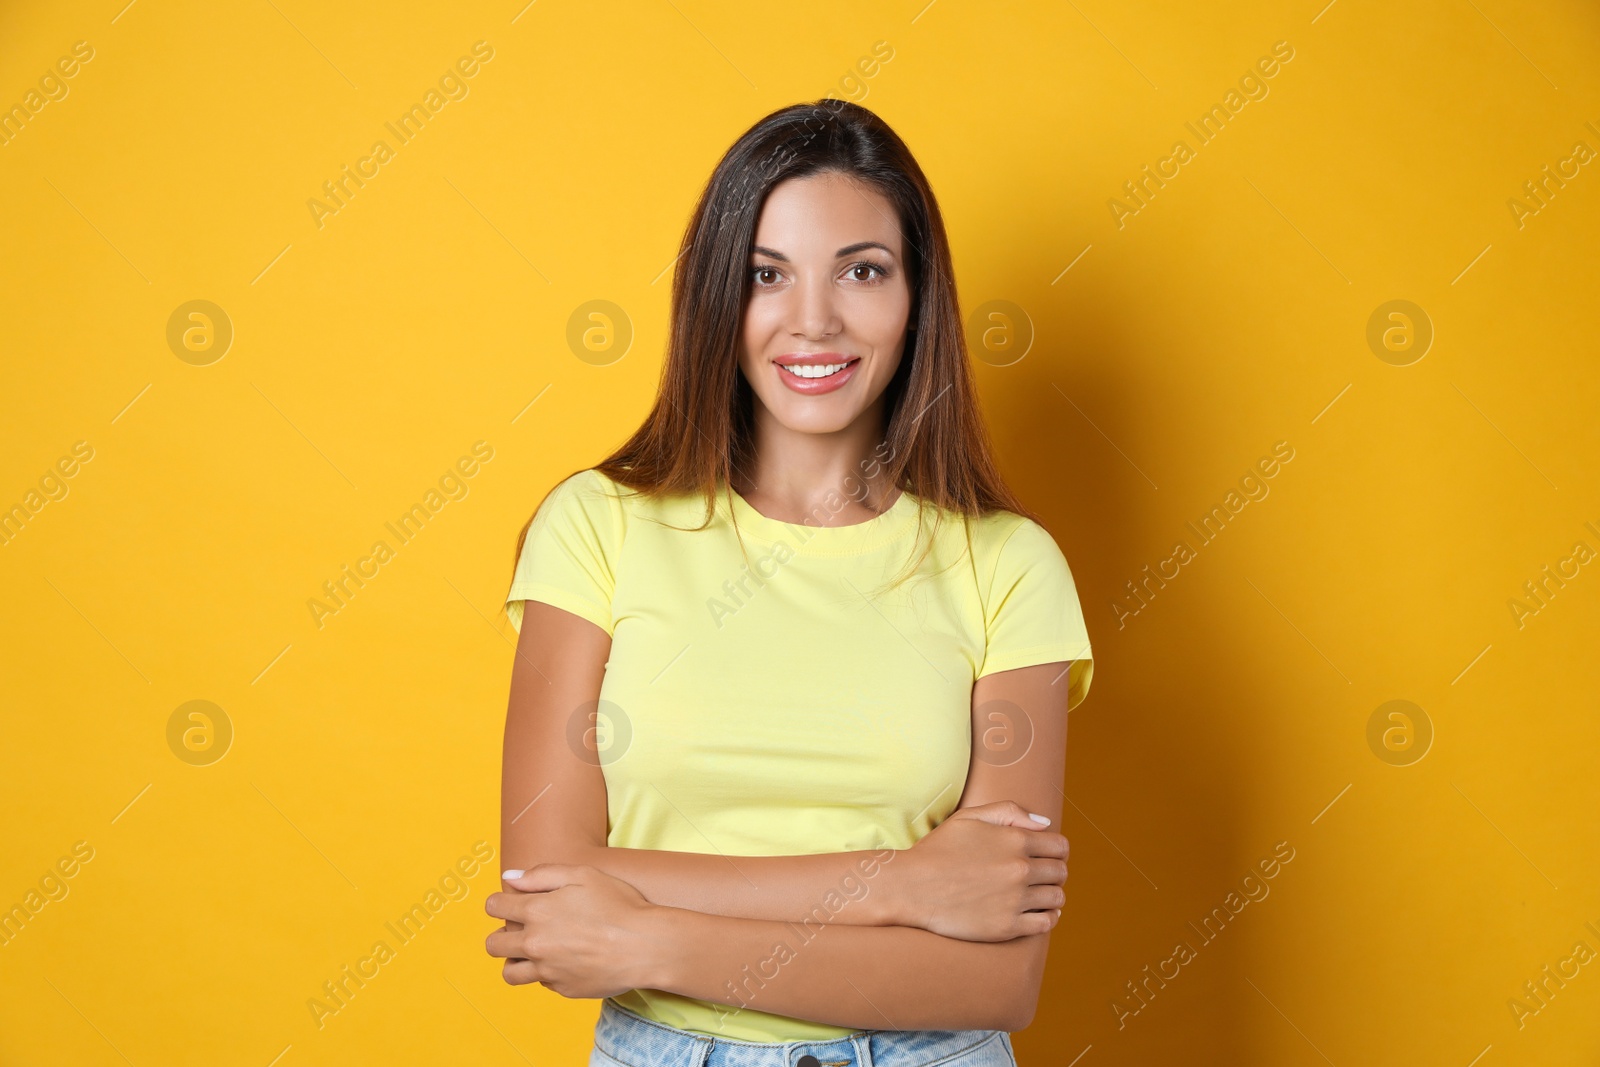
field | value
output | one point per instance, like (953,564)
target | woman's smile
(815,373)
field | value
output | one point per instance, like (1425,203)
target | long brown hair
(700,429)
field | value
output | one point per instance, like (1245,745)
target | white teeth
(822,370)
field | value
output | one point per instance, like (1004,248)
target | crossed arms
(950,934)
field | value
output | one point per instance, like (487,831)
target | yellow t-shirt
(780,708)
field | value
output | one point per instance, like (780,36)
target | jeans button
(807,1060)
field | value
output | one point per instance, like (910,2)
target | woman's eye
(860,272)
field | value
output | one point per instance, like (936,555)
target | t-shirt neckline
(886,526)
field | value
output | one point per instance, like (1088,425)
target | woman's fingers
(1046,872)
(543,877)
(1004,813)
(510,904)
(1051,846)
(520,972)
(1043,898)
(1037,922)
(507,944)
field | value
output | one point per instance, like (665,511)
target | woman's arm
(869,978)
(586,934)
(964,879)
(894,978)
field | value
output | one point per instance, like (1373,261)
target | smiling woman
(685,791)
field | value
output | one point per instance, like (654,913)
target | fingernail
(1039,818)
(511,874)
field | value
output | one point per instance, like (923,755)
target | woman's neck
(796,472)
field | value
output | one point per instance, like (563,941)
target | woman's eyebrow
(847,250)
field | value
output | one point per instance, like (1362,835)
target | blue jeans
(624,1039)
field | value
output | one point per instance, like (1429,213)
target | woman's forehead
(821,214)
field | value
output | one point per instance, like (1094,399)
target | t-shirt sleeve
(1032,614)
(569,554)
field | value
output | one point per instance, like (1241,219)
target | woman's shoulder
(1005,543)
(995,531)
(590,486)
(590,481)
(606,500)
(588,497)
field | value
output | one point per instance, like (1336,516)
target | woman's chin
(815,415)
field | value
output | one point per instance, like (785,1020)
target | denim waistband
(635,1041)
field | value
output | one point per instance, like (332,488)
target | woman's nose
(814,313)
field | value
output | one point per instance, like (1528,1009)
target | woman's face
(827,279)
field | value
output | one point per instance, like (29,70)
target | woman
(787,720)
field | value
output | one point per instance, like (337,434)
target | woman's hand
(574,929)
(987,873)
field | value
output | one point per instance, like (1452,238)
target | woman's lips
(817,386)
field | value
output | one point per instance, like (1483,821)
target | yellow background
(370,354)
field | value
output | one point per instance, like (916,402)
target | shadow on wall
(1154,810)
